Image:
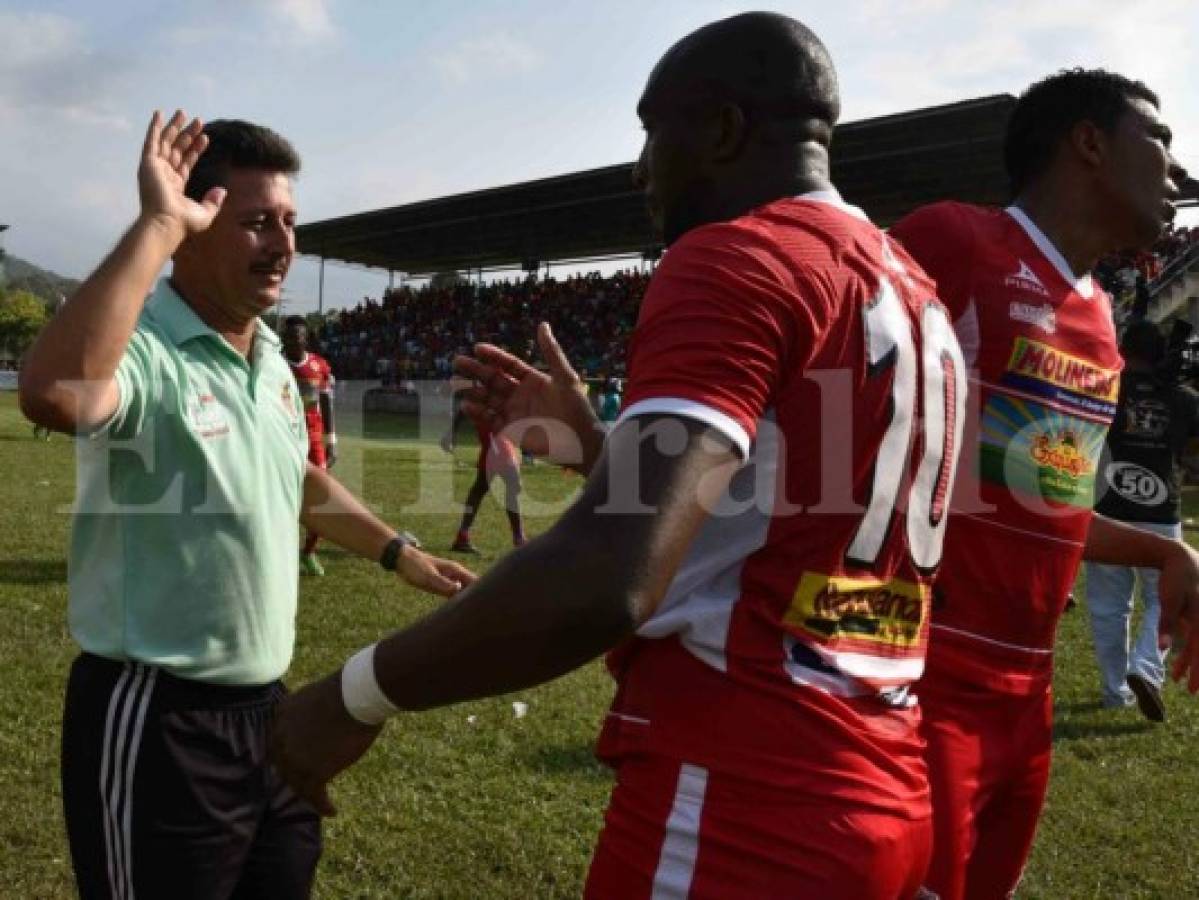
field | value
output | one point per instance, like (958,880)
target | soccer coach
(183,580)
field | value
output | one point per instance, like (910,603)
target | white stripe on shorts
(676,864)
(122,738)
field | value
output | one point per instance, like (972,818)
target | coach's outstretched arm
(540,612)
(330,510)
(66,382)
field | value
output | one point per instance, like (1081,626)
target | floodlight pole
(320,296)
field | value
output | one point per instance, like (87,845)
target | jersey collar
(833,198)
(181,323)
(1084,285)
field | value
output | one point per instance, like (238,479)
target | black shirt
(1139,478)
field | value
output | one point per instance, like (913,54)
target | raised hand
(168,155)
(507,393)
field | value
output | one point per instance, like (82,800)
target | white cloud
(47,69)
(495,54)
(280,23)
(310,19)
(197,35)
(879,12)
(95,118)
(30,39)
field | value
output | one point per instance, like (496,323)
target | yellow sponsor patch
(1033,359)
(1061,452)
(831,608)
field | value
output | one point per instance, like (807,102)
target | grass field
(472,802)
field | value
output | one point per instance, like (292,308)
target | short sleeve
(940,240)
(138,383)
(720,324)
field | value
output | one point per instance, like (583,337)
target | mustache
(278,264)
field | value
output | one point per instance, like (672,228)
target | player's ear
(732,127)
(1089,143)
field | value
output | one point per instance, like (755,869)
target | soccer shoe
(463,545)
(1149,698)
(312,565)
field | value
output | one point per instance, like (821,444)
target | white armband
(360,691)
(330,439)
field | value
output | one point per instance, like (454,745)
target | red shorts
(316,453)
(676,830)
(988,760)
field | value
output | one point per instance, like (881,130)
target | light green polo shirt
(184,548)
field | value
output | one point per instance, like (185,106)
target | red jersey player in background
(1092,173)
(762,564)
(498,456)
(315,381)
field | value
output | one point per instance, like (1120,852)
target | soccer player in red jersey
(759,557)
(314,378)
(1092,173)
(498,456)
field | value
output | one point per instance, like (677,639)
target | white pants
(1109,599)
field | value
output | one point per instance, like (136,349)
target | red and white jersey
(313,377)
(497,454)
(784,647)
(1045,372)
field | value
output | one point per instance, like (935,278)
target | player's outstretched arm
(330,510)
(508,393)
(66,382)
(541,611)
(1115,543)
(1178,590)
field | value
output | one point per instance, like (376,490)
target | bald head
(737,114)
(772,66)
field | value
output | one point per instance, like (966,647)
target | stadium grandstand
(887,165)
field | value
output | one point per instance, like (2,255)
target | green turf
(471,802)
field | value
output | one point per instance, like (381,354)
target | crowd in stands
(1127,276)
(413,334)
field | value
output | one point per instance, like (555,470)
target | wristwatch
(391,553)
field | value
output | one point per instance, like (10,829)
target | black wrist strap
(391,553)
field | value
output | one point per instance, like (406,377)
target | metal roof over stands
(887,165)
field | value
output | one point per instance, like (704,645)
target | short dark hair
(1048,109)
(295,322)
(1143,341)
(234,144)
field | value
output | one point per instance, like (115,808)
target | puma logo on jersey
(1026,279)
(1034,314)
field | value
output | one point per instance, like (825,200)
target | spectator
(417,332)
(1141,486)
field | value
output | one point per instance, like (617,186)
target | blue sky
(391,102)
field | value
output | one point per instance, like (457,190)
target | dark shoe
(1149,698)
(463,545)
